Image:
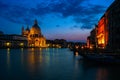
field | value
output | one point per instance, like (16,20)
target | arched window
(30,35)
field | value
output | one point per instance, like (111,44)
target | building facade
(91,40)
(113,23)
(108,29)
(13,41)
(34,36)
(102,33)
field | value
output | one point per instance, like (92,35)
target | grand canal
(51,64)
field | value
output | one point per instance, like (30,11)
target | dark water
(51,64)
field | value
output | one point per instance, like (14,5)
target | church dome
(35,28)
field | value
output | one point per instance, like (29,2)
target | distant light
(8,44)
(32,45)
(48,45)
(59,47)
(76,47)
(82,47)
(21,44)
(91,47)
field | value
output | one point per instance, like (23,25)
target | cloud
(81,13)
(64,7)
(16,14)
(75,27)
(90,16)
(86,22)
(57,25)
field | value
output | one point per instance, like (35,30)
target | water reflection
(31,60)
(22,55)
(8,57)
(76,54)
(22,50)
(52,64)
(36,57)
(40,55)
(102,74)
(32,49)
(48,56)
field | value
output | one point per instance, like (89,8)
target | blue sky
(58,19)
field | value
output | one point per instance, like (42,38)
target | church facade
(34,36)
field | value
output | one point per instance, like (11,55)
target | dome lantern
(35,22)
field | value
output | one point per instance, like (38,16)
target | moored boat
(102,58)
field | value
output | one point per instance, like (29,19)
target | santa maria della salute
(34,36)
(29,38)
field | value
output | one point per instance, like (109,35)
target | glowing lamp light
(21,44)
(48,45)
(8,44)
(82,47)
(59,46)
(32,44)
(91,47)
(76,47)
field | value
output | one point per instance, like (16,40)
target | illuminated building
(13,41)
(107,29)
(57,43)
(88,42)
(102,37)
(34,36)
(91,40)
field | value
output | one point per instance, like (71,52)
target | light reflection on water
(8,57)
(102,74)
(51,64)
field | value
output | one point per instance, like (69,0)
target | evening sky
(58,19)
